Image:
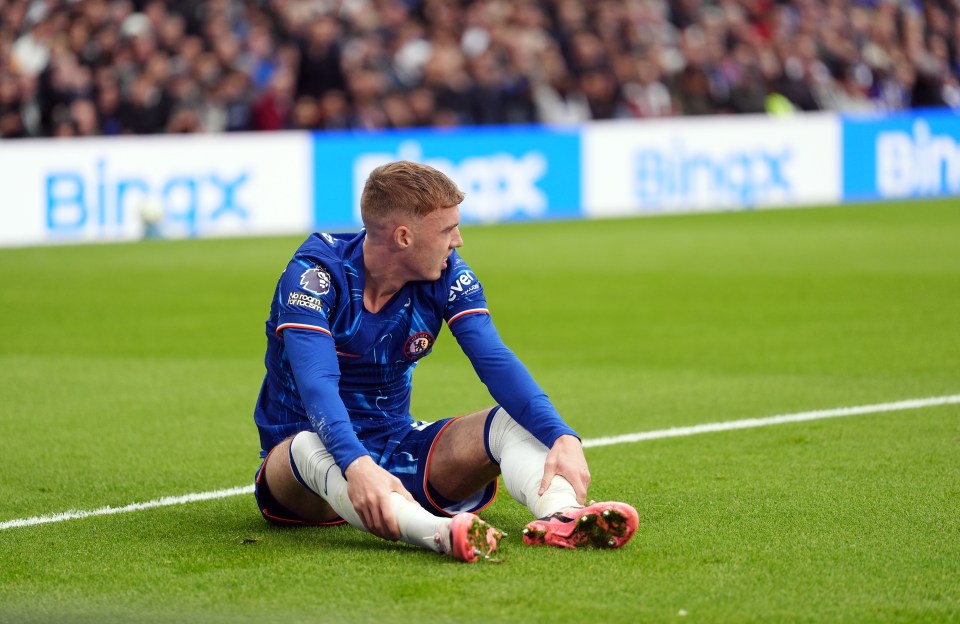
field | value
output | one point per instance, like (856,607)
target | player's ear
(402,236)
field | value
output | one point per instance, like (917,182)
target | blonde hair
(405,189)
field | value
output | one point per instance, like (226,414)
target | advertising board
(108,189)
(901,155)
(706,164)
(507,174)
(111,189)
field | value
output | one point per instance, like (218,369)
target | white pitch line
(673,432)
(166,501)
(749,423)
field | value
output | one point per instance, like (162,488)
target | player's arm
(513,387)
(313,359)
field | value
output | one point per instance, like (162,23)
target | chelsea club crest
(418,345)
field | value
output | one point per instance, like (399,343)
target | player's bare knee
(459,464)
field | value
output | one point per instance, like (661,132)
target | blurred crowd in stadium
(106,67)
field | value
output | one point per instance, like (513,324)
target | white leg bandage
(315,468)
(521,457)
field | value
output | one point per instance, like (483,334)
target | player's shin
(521,457)
(315,468)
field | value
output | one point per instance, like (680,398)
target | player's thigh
(459,463)
(286,490)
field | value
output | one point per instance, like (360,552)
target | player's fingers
(376,525)
(580,490)
(367,519)
(581,486)
(383,522)
(373,519)
(390,524)
(548,475)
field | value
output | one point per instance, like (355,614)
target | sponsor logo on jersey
(306,301)
(316,281)
(464,284)
(418,345)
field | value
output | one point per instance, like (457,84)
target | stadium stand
(107,67)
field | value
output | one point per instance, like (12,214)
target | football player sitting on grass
(350,318)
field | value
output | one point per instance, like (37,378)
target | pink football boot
(470,538)
(602,525)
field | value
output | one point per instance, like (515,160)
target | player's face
(436,236)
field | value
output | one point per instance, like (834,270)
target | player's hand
(369,487)
(566,459)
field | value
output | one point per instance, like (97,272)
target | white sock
(318,471)
(521,457)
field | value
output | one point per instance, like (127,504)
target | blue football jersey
(321,290)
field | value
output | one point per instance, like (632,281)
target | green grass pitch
(129,373)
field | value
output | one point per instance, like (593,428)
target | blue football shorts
(406,455)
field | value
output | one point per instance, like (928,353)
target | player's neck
(382,277)
(374,301)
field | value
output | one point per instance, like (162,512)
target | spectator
(274,108)
(31,51)
(445,74)
(423,106)
(558,99)
(11,119)
(320,67)
(83,114)
(397,110)
(306,113)
(184,120)
(334,110)
(108,101)
(693,92)
(497,96)
(645,94)
(146,109)
(600,87)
